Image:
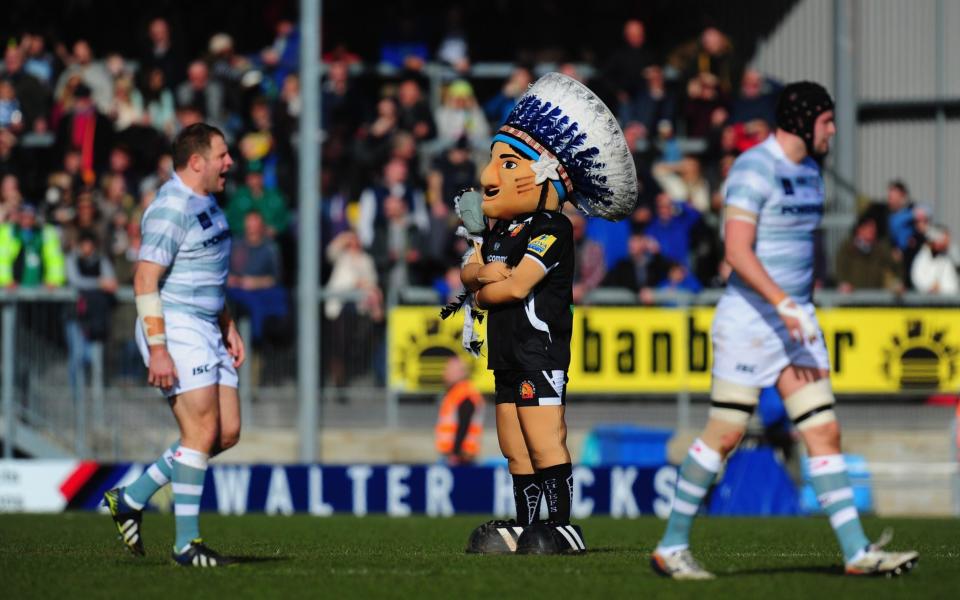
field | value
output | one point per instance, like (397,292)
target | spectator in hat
(865,261)
(254,196)
(934,269)
(461,116)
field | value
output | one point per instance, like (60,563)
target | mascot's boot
(551,538)
(495,537)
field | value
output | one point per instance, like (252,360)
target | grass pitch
(77,555)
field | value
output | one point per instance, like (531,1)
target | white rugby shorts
(751,345)
(198,352)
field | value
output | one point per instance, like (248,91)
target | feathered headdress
(577,144)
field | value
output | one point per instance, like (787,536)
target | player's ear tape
(811,405)
(150,311)
(735,213)
(733,402)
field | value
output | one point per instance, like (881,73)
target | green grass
(78,556)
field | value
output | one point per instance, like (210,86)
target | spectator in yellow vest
(460,423)
(30,253)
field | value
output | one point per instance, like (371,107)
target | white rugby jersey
(788,200)
(188,233)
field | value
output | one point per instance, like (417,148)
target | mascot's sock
(557,484)
(526,494)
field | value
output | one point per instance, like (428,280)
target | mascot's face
(508,185)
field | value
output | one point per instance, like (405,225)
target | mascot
(559,144)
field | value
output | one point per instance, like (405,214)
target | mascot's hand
(470,211)
(493,272)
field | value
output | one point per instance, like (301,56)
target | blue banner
(397,490)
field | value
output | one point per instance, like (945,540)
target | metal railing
(112,413)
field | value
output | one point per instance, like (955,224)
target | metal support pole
(97,391)
(246,374)
(941,129)
(9,362)
(308,309)
(80,399)
(845,91)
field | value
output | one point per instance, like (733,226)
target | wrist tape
(150,311)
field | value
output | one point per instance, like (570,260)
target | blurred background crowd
(85,134)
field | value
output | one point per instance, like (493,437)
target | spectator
(255,272)
(865,261)
(460,116)
(621,70)
(87,218)
(397,247)
(373,201)
(11,117)
(590,266)
(282,57)
(204,95)
(641,270)
(454,49)
(31,94)
(679,279)
(30,253)
(38,62)
(900,208)
(921,223)
(354,271)
(91,274)
(342,102)
(413,112)
(88,131)
(934,269)
(704,111)
(711,54)
(671,227)
(162,53)
(375,139)
(459,429)
(157,100)
(94,75)
(756,99)
(498,108)
(127,107)
(652,105)
(684,181)
(10,157)
(254,197)
(125,251)
(10,198)
(451,171)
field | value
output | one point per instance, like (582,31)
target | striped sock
(189,469)
(696,474)
(157,475)
(828,475)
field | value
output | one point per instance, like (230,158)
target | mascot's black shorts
(531,388)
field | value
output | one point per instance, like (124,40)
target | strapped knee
(811,405)
(733,402)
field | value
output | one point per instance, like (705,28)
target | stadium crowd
(84,142)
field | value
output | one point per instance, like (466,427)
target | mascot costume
(559,144)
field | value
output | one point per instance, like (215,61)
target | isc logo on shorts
(201,369)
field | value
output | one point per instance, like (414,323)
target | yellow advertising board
(645,350)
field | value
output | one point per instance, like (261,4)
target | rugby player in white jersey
(188,341)
(765,332)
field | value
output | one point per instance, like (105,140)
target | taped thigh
(811,405)
(733,402)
